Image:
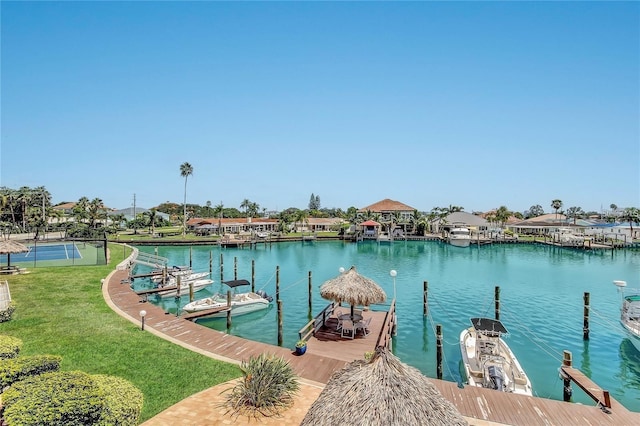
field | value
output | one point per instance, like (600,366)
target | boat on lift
(241,303)
(488,360)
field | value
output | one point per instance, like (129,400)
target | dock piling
(253,275)
(566,389)
(221,268)
(235,267)
(277,282)
(439,351)
(279,322)
(425,299)
(310,297)
(229,310)
(585,323)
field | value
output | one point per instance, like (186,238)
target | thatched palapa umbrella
(383,391)
(10,247)
(353,288)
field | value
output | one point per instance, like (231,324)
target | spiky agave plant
(268,386)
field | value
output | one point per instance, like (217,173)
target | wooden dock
(157,290)
(193,316)
(328,342)
(324,357)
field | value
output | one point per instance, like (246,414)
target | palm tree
(302,217)
(116,221)
(152,218)
(186,170)
(218,211)
(96,211)
(80,210)
(284,219)
(631,215)
(253,209)
(245,205)
(502,215)
(556,205)
(575,213)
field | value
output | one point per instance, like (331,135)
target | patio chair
(348,329)
(364,326)
(338,314)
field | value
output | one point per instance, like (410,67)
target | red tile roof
(387,205)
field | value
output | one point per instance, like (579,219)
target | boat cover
(236,283)
(488,326)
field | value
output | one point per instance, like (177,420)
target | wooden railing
(314,325)
(388,327)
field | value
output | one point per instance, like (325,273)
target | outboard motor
(264,295)
(497,377)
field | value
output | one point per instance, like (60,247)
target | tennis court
(48,252)
(63,253)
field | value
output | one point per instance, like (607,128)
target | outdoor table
(356,317)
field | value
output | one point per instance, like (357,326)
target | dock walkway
(472,402)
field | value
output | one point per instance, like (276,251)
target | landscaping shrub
(9,347)
(6,314)
(268,386)
(15,369)
(70,398)
(123,401)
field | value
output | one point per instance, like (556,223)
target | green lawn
(61,311)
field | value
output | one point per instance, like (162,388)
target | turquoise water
(541,295)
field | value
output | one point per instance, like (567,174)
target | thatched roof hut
(10,247)
(384,391)
(353,288)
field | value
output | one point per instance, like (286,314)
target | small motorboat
(241,303)
(488,361)
(184,278)
(185,287)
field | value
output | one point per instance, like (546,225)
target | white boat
(383,237)
(184,278)
(488,361)
(241,303)
(566,237)
(459,236)
(630,313)
(174,271)
(185,287)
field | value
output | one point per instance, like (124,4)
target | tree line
(30,210)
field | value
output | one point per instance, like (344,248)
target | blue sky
(474,104)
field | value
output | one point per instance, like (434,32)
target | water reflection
(585,365)
(630,367)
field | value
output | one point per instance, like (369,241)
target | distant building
(130,214)
(387,210)
(65,208)
(476,224)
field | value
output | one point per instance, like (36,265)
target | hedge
(9,346)
(15,369)
(123,401)
(6,314)
(70,398)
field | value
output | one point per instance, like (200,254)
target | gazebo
(353,288)
(383,391)
(10,247)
